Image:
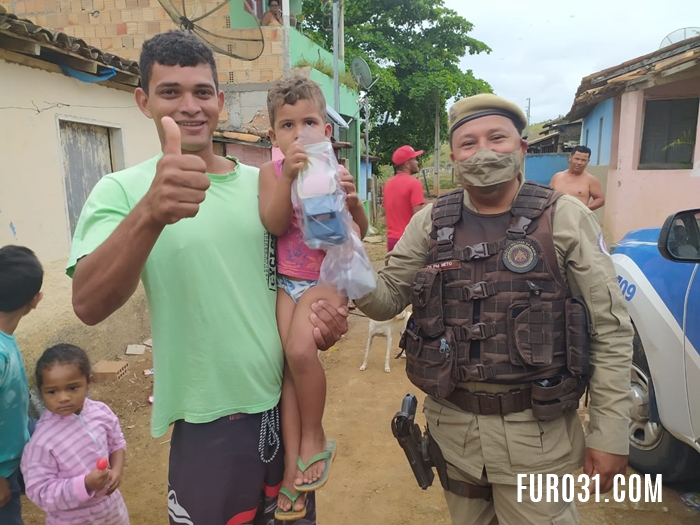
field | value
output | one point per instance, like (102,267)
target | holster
(423,453)
(461,488)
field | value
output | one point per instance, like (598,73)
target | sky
(542,50)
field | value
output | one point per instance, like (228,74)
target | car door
(692,333)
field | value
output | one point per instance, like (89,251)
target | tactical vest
(490,304)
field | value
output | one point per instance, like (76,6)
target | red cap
(404,154)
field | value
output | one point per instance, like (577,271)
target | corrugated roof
(544,138)
(24,36)
(681,57)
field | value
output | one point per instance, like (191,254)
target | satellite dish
(235,47)
(361,73)
(679,35)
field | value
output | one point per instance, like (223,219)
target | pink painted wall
(251,155)
(644,198)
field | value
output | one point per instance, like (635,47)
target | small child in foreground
(73,463)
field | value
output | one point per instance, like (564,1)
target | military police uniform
(513,315)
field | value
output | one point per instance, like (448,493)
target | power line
(54,105)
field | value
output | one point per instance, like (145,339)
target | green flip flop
(328,456)
(291,514)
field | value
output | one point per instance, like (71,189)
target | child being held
(63,464)
(296,104)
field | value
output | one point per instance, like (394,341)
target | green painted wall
(240,18)
(302,48)
(348,98)
(295,7)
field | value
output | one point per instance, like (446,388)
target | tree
(415,46)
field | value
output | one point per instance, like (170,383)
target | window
(600,141)
(585,142)
(668,137)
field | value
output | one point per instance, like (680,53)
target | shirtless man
(577,182)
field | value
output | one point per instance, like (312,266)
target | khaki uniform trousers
(493,450)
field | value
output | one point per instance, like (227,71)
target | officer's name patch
(445,265)
(520,256)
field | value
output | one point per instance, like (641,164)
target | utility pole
(336,79)
(527,130)
(341,32)
(436,175)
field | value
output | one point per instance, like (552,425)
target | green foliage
(687,139)
(324,67)
(533,132)
(415,47)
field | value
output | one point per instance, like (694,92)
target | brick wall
(120,27)
(250,155)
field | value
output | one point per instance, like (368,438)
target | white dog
(384,328)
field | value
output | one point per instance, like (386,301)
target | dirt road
(371,481)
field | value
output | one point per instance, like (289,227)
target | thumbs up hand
(180,184)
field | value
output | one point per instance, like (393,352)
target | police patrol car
(659,278)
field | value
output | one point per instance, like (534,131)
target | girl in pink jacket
(65,464)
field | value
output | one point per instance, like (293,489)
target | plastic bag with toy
(325,222)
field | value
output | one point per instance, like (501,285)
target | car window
(684,238)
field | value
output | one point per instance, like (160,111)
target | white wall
(32,194)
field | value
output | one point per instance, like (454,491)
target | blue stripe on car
(669,279)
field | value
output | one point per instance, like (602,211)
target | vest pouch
(429,361)
(578,336)
(426,298)
(529,340)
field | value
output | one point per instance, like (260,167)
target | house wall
(123,25)
(32,194)
(541,167)
(251,155)
(644,198)
(33,198)
(591,135)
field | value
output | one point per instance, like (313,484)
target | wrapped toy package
(326,223)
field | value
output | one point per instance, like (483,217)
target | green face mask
(487,168)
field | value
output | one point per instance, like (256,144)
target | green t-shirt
(210,284)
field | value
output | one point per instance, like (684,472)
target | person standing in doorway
(403,194)
(273,17)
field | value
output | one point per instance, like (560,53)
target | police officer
(516,309)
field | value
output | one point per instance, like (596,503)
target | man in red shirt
(403,194)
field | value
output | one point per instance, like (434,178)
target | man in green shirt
(186,224)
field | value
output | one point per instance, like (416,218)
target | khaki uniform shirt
(590,273)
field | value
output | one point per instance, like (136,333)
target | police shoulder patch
(601,244)
(520,256)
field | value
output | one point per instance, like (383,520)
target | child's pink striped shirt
(60,453)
